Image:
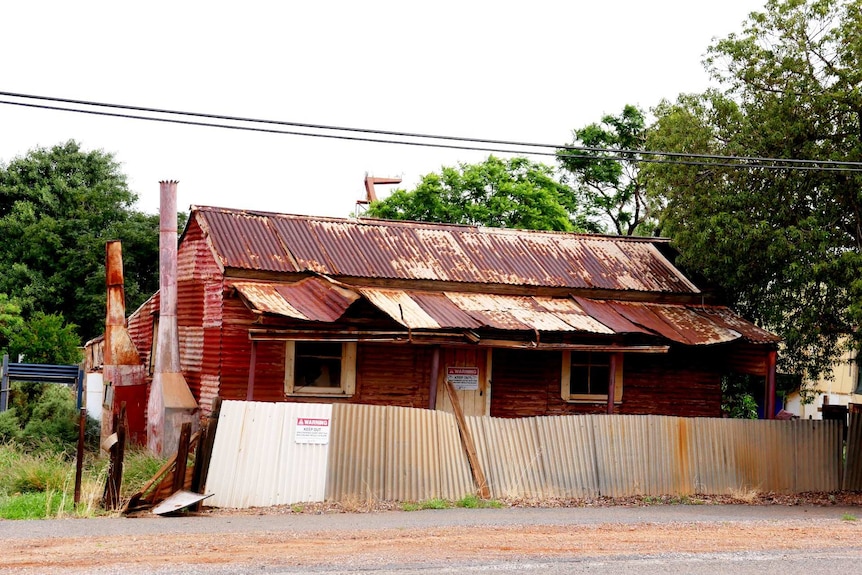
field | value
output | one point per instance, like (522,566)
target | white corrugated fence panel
(258,460)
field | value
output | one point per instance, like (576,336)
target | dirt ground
(409,545)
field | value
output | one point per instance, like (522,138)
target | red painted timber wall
(527,383)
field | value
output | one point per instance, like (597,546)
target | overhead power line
(425,140)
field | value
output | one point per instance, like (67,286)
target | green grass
(36,505)
(474,502)
(427,504)
(467,502)
(848,517)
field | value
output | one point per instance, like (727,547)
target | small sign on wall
(463,378)
(312,430)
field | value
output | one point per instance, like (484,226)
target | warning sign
(312,430)
(463,378)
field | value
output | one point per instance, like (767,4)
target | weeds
(435,503)
(474,502)
(745,495)
(466,502)
(37,485)
(848,517)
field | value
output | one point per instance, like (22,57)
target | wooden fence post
(111,497)
(79,460)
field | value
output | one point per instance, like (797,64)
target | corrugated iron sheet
(245,240)
(421,251)
(318,299)
(256,460)
(314,299)
(853,461)
(620,456)
(391,453)
(395,453)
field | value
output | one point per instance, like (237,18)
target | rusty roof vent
(370,193)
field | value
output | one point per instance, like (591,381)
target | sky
(506,70)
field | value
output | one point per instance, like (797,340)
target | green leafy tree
(784,243)
(58,207)
(609,185)
(513,193)
(10,322)
(46,338)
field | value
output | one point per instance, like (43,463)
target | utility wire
(611,154)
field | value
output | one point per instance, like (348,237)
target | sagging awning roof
(311,299)
(320,300)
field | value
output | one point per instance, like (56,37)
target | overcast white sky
(511,70)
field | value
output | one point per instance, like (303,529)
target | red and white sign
(463,378)
(312,430)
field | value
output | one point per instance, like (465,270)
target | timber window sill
(334,392)
(591,400)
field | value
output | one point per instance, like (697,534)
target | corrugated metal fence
(620,455)
(853,467)
(393,453)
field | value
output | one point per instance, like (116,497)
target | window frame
(616,360)
(347,387)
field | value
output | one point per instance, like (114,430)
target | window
(587,374)
(319,368)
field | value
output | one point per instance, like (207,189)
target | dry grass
(747,495)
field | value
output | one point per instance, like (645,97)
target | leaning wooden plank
(467,440)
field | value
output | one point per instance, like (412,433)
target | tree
(785,243)
(514,193)
(609,184)
(58,207)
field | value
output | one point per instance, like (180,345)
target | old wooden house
(274,307)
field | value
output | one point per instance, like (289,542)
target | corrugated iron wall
(405,454)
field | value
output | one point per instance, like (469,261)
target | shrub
(10,426)
(54,420)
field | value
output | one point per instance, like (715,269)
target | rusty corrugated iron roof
(312,299)
(345,248)
(424,310)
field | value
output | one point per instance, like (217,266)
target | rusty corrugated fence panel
(637,455)
(396,453)
(567,444)
(710,454)
(853,462)
(818,452)
(357,456)
(256,460)
(510,455)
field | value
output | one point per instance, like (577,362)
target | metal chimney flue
(171,402)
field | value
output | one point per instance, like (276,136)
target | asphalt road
(248,521)
(814,559)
